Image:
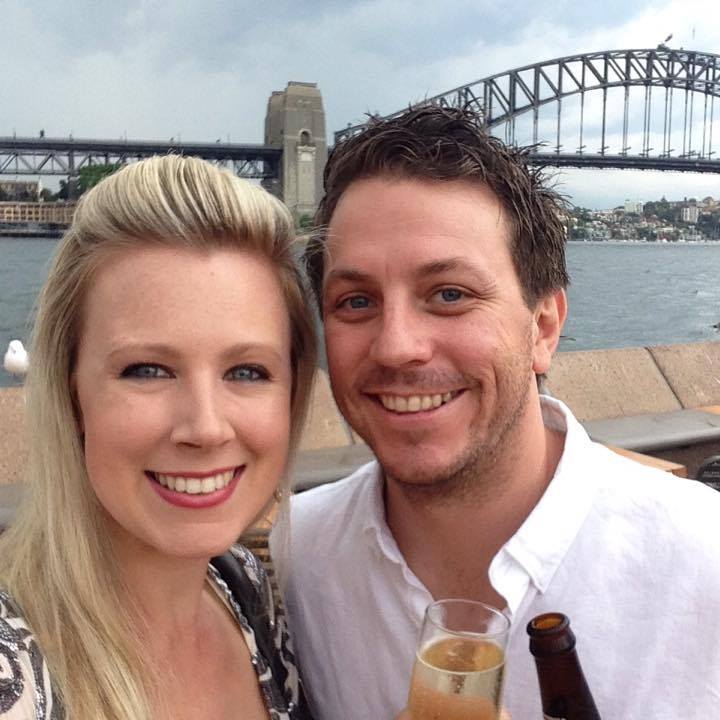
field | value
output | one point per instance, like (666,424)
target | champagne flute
(460,662)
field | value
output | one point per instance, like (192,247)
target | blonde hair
(55,560)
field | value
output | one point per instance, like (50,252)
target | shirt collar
(543,540)
(373,513)
(545,537)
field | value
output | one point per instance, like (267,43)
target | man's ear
(549,318)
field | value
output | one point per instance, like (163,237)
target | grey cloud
(204,70)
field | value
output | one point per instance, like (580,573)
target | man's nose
(403,336)
(202,419)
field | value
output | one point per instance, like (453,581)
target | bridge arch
(505,98)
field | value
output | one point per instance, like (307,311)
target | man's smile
(416,403)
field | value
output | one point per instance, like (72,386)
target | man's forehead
(404,202)
(416,221)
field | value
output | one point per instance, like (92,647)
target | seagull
(16,358)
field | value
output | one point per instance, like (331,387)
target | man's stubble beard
(474,475)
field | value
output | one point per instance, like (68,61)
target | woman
(172,359)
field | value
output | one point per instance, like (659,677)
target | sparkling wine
(457,678)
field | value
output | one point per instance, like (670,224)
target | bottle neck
(564,691)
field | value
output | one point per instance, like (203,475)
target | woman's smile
(196,492)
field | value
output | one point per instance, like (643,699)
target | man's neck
(450,544)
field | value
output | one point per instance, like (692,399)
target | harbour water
(622,294)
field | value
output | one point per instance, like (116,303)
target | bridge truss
(649,109)
(66,156)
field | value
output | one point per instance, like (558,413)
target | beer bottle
(565,693)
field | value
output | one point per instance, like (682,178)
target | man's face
(431,349)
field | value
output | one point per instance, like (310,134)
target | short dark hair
(437,143)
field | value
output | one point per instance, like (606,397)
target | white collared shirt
(630,554)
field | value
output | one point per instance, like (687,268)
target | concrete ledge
(692,371)
(610,383)
(316,467)
(647,433)
(13,443)
(325,426)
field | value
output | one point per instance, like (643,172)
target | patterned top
(26,691)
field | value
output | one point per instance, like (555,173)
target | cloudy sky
(203,69)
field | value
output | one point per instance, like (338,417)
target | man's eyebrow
(438,267)
(347,275)
(434,267)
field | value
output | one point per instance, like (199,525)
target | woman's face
(183,382)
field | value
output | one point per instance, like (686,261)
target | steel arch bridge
(66,156)
(646,109)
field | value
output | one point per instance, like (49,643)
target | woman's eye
(248,373)
(145,371)
(450,295)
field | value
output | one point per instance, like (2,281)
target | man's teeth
(415,403)
(195,486)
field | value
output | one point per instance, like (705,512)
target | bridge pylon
(295,122)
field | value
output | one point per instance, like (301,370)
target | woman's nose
(202,419)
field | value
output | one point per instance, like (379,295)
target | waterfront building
(633,207)
(20,190)
(690,214)
(58,213)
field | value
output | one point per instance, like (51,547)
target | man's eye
(450,295)
(247,373)
(145,371)
(355,302)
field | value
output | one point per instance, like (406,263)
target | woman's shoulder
(245,577)
(26,691)
(251,565)
(242,575)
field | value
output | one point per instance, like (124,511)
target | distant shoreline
(620,241)
(24,234)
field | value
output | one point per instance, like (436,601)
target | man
(440,274)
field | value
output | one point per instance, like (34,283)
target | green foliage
(710,225)
(63,192)
(662,210)
(91,175)
(646,233)
(304,223)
